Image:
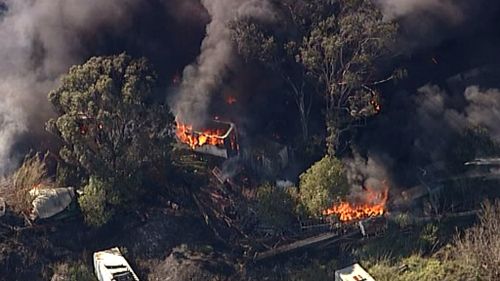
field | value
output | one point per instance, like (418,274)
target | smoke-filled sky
(205,75)
(41,39)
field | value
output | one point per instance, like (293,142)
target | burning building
(221,139)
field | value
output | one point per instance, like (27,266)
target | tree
(278,49)
(111,125)
(322,184)
(340,53)
(93,202)
(329,46)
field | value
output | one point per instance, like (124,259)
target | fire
(374,205)
(187,135)
(375,102)
(231,100)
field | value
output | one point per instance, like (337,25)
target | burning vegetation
(373,205)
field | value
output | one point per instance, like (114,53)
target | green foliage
(275,207)
(331,47)
(278,50)
(403,220)
(429,236)
(253,44)
(111,124)
(340,54)
(419,268)
(322,184)
(67,175)
(74,272)
(399,241)
(93,202)
(475,255)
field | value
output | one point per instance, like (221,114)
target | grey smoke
(41,39)
(425,23)
(481,109)
(447,8)
(363,173)
(202,78)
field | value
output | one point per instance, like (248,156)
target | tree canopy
(322,184)
(328,47)
(112,127)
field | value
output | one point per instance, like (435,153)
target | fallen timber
(327,238)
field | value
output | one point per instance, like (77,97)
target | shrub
(417,267)
(322,184)
(473,256)
(32,173)
(275,206)
(93,202)
(429,237)
(479,247)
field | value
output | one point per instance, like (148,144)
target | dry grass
(479,247)
(473,256)
(15,189)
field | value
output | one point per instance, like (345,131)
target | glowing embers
(375,102)
(373,204)
(231,100)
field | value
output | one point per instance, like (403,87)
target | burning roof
(220,139)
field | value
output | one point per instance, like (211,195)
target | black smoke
(41,39)
(451,55)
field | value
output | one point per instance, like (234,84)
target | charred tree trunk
(303,104)
(303,115)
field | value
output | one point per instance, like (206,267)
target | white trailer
(353,273)
(110,265)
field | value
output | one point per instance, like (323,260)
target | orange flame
(376,104)
(187,135)
(231,100)
(374,206)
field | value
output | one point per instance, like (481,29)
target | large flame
(373,205)
(187,135)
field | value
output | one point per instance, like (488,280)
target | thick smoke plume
(416,136)
(41,39)
(482,109)
(202,78)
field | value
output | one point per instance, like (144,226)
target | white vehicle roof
(110,265)
(353,273)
